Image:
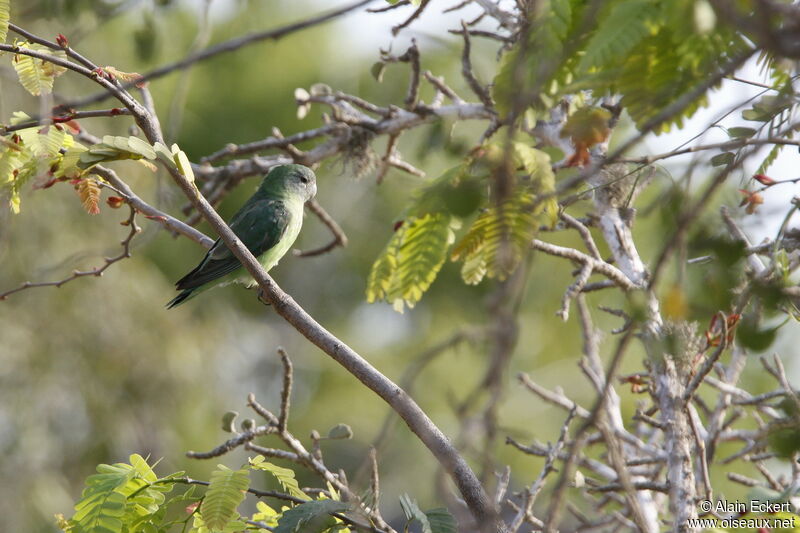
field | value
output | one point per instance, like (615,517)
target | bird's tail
(179,299)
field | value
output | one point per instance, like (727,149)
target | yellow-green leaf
(496,242)
(225,493)
(183,164)
(284,476)
(5,9)
(37,75)
(411,260)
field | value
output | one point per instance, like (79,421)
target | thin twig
(610,271)
(96,271)
(466,70)
(227,47)
(708,363)
(390,7)
(53,46)
(65,117)
(339,238)
(533,490)
(286,390)
(417,12)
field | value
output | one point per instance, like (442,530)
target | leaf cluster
(128,497)
(50,154)
(503,193)
(643,50)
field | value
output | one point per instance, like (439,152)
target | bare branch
(390,7)
(339,238)
(610,271)
(583,231)
(483,33)
(261,410)
(96,271)
(708,363)
(65,117)
(149,211)
(417,12)
(442,87)
(555,398)
(466,70)
(536,487)
(227,47)
(286,390)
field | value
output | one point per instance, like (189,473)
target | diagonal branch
(149,211)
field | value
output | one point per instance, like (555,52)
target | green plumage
(268,224)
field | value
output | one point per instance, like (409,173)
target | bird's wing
(260,226)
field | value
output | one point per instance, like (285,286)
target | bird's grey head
(291,179)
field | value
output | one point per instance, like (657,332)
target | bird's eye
(304,179)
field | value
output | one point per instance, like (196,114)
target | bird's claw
(262,297)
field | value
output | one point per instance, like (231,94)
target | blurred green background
(98,369)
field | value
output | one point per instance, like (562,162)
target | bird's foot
(262,297)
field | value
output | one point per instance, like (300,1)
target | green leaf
(540,68)
(12,159)
(310,517)
(437,520)
(496,242)
(200,526)
(225,493)
(383,269)
(377,70)
(725,158)
(610,42)
(182,163)
(229,421)
(753,337)
(413,512)
(771,157)
(266,514)
(121,497)
(37,75)
(441,521)
(143,469)
(411,260)
(736,133)
(117,149)
(5,9)
(102,504)
(340,431)
(285,476)
(34,153)
(754,115)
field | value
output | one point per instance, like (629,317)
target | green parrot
(268,224)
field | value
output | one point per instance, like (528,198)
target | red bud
(763,179)
(398,225)
(102,73)
(115,202)
(73,125)
(62,41)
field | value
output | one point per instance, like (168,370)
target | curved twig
(96,271)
